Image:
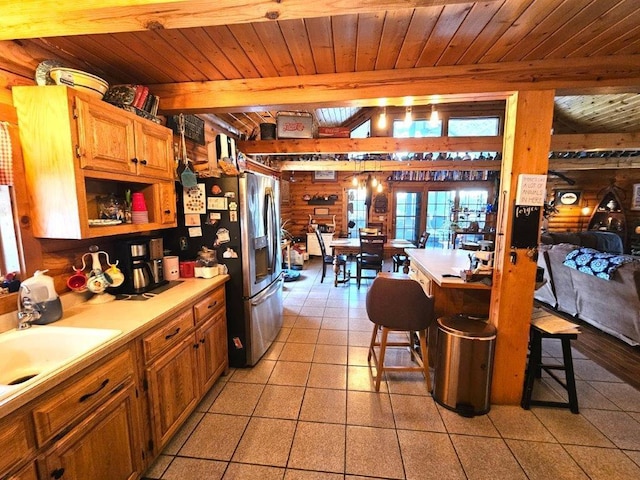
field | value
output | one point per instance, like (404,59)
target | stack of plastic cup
(139,213)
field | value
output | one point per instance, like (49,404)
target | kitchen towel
(6,160)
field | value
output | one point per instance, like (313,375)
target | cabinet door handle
(211,305)
(171,335)
(57,473)
(87,396)
(202,340)
(134,160)
(167,212)
(196,346)
(143,162)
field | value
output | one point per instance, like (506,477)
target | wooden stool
(535,367)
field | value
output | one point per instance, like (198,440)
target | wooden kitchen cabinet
(16,442)
(173,389)
(76,149)
(27,473)
(212,350)
(184,357)
(112,142)
(105,446)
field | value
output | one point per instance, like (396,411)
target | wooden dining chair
(338,262)
(402,260)
(371,256)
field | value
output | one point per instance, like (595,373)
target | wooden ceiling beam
(399,87)
(593,142)
(358,166)
(370,145)
(53,18)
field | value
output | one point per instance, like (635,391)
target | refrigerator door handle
(271,228)
(268,294)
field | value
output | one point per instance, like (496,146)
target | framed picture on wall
(567,198)
(635,199)
(325,176)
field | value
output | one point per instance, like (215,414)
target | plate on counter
(102,222)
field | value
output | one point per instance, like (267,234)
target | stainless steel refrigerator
(240,217)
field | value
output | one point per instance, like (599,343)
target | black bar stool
(535,367)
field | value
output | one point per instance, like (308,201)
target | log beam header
(497,80)
(52,18)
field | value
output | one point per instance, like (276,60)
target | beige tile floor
(307,411)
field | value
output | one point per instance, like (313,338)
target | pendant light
(434,118)
(382,121)
(408,116)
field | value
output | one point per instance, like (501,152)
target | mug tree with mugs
(98,280)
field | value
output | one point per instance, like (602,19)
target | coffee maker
(140,260)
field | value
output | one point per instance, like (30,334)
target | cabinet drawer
(16,442)
(73,400)
(209,304)
(167,335)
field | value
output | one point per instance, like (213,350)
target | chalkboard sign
(193,127)
(526,226)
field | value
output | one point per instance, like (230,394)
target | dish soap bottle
(42,295)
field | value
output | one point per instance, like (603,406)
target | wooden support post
(527,138)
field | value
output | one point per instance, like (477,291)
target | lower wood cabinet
(16,443)
(172,389)
(105,446)
(212,350)
(184,357)
(27,473)
(108,422)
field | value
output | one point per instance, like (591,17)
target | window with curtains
(9,253)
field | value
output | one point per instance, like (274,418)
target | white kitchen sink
(26,355)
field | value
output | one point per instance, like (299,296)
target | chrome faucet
(27,313)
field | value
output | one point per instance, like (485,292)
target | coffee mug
(98,283)
(114,273)
(78,281)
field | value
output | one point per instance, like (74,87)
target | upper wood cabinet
(112,142)
(76,149)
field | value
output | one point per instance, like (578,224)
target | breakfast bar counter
(438,271)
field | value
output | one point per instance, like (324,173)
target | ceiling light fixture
(434,118)
(408,117)
(382,121)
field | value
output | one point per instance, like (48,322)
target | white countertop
(131,317)
(435,262)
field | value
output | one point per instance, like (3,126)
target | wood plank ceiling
(371,36)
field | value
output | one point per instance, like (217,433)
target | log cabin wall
(590,183)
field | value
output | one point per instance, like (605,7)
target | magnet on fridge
(223,235)
(216,203)
(233,216)
(230,194)
(192,219)
(233,206)
(216,190)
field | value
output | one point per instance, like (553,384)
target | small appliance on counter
(141,262)
(38,295)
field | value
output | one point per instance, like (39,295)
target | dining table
(351,246)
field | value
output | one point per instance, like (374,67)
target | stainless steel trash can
(464,364)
